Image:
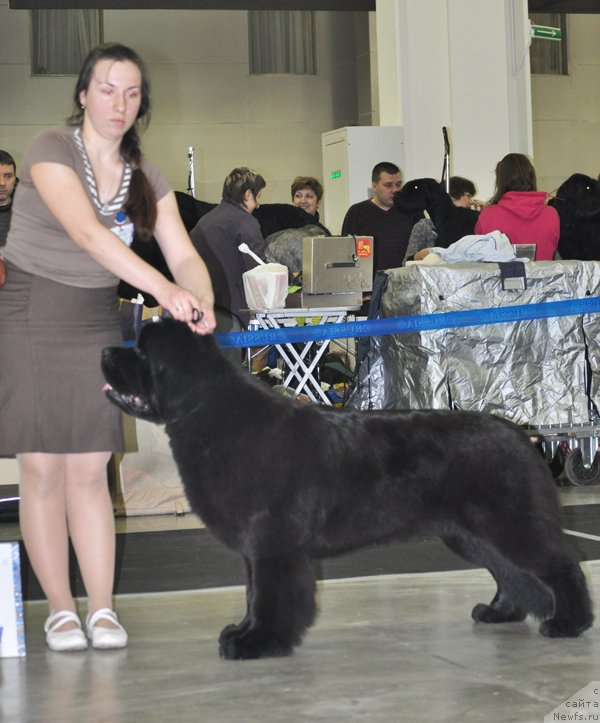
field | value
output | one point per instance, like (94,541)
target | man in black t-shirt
(378,217)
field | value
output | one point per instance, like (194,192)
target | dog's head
(577,198)
(417,195)
(154,380)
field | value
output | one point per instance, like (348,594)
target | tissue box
(266,286)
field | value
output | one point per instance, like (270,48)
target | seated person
(217,236)
(424,234)
(519,210)
(462,193)
(307,193)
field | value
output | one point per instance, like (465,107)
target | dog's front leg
(281,607)
(231,630)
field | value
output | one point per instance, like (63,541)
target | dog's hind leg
(539,548)
(518,592)
(573,607)
(281,607)
(553,565)
(524,568)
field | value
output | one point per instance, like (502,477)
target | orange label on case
(363,247)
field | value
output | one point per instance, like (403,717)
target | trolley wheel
(557,464)
(577,473)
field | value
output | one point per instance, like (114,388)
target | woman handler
(84,188)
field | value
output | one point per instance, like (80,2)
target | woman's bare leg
(62,495)
(91,525)
(43,521)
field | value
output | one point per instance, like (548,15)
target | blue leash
(403,324)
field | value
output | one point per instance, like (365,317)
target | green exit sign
(335,174)
(546,32)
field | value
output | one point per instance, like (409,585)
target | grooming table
(300,365)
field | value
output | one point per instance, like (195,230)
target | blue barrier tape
(402,324)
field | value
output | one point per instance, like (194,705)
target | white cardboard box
(12,629)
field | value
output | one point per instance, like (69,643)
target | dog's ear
(179,363)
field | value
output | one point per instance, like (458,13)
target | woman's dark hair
(514,172)
(239,181)
(141,200)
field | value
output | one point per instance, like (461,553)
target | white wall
(202,94)
(204,97)
(461,64)
(566,109)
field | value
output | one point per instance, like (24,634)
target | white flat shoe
(63,641)
(105,638)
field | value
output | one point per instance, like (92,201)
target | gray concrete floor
(397,648)
(393,648)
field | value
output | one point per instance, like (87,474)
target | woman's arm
(186,265)
(61,190)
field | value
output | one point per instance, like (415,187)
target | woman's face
(113,98)
(306,199)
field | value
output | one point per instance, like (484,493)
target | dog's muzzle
(129,401)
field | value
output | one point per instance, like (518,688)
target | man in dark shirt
(8,180)
(379,218)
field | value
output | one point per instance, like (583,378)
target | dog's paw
(486,614)
(232,630)
(554,628)
(239,643)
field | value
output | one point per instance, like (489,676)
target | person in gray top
(217,236)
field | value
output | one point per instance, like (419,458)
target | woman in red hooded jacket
(518,210)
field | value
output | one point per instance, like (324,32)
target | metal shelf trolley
(543,373)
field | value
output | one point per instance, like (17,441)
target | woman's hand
(185,306)
(192,288)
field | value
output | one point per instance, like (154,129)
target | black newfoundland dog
(577,201)
(284,483)
(426,194)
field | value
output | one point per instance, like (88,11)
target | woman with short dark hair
(307,193)
(217,237)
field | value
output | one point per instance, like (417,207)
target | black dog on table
(577,201)
(426,194)
(285,483)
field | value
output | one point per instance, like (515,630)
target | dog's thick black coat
(426,194)
(285,483)
(577,202)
